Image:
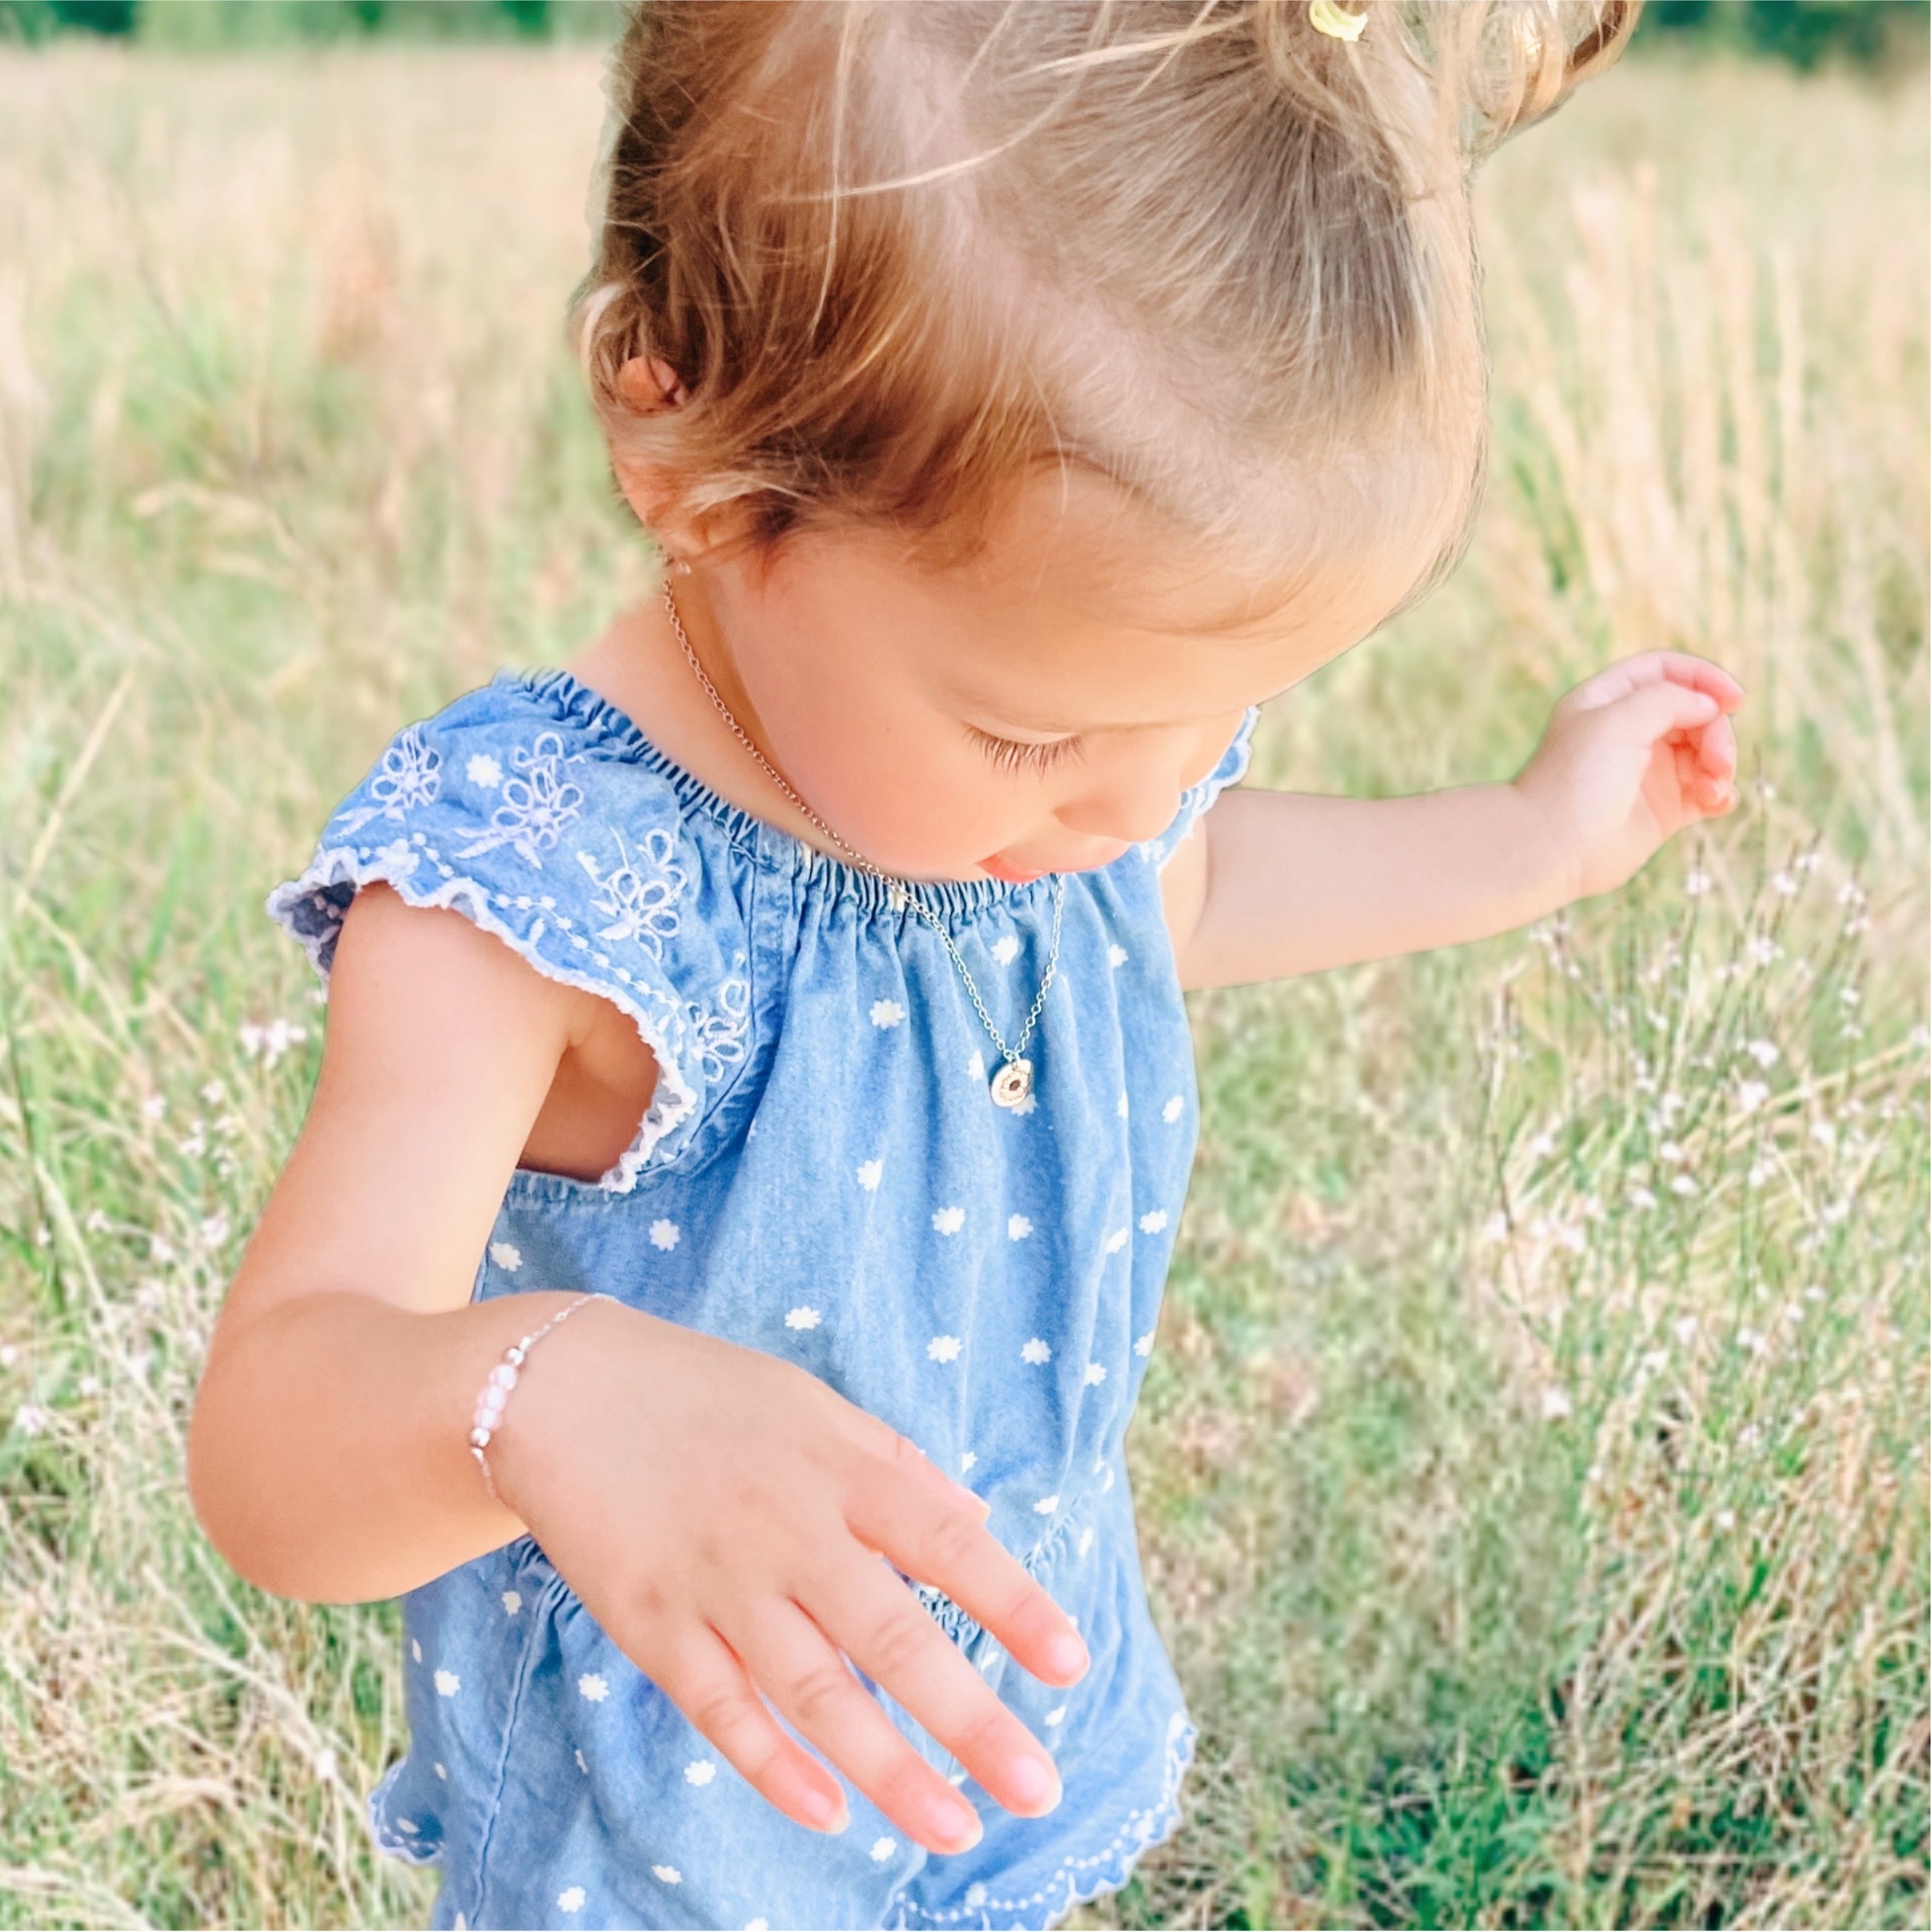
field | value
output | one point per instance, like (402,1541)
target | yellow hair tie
(1329,18)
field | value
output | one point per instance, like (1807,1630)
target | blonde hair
(901,254)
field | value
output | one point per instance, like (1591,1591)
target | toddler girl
(721,1259)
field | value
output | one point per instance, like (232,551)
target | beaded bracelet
(495,1392)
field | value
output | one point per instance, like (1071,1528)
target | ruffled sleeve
(546,831)
(1196,799)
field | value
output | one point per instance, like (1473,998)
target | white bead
(496,1395)
(513,1354)
(503,1375)
(479,1438)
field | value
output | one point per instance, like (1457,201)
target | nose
(1131,793)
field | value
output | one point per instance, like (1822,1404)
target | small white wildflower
(1672,1152)
(1541,1145)
(1682,1184)
(9,1355)
(1493,1230)
(1850,995)
(1574,1237)
(1726,1519)
(1555,1405)
(1823,1132)
(153,1107)
(1762,950)
(213,1093)
(1750,1436)
(1684,1328)
(1850,893)
(1654,1360)
(1761,1170)
(1782,882)
(1765,1052)
(1641,1196)
(215,1230)
(30,1419)
(89,1386)
(1697,884)
(1751,1094)
(192,1145)
(1750,1340)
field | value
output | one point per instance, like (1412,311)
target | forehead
(1085,609)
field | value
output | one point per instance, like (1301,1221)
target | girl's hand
(1631,756)
(722,1513)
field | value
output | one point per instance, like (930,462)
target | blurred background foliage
(1881,35)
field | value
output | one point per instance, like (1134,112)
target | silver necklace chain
(1015,1079)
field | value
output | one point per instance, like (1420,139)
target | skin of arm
(1268,884)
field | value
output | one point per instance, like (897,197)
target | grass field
(1532,1467)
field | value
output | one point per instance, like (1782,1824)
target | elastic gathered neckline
(770,845)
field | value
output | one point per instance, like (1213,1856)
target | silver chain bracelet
(495,1392)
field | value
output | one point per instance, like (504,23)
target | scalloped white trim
(675,1098)
(1143,1831)
(392,1843)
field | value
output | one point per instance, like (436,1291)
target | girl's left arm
(1271,884)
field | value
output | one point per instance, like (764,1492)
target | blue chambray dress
(822,1175)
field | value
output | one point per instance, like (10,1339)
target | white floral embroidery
(1086,1539)
(415,1650)
(1022,1107)
(1173,1109)
(759,1925)
(447,1683)
(975,1067)
(943,1347)
(1122,1108)
(1046,1505)
(1144,1346)
(411,775)
(1118,1239)
(801,1318)
(1005,950)
(443,1772)
(506,1257)
(949,1220)
(870,1174)
(1054,1716)
(571,1898)
(1152,1223)
(1037,1350)
(664,1235)
(512,1602)
(669,1874)
(639,896)
(1116,955)
(535,807)
(583,1764)
(883,1848)
(484,770)
(717,1033)
(592,1686)
(975,1896)
(1018,1228)
(1096,1373)
(966,1461)
(887,1013)
(699,1771)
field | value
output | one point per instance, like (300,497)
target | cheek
(912,795)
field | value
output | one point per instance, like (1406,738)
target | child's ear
(648,383)
(649,386)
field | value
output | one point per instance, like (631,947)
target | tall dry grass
(1542,1541)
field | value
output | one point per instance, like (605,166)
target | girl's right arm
(722,1513)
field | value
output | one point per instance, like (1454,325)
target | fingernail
(1066,1653)
(1032,1783)
(955,1823)
(833,1815)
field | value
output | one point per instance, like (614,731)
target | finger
(872,1432)
(975,1570)
(802,1672)
(877,1621)
(1684,667)
(710,1686)
(1717,742)
(1656,710)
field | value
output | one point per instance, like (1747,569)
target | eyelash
(1009,755)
